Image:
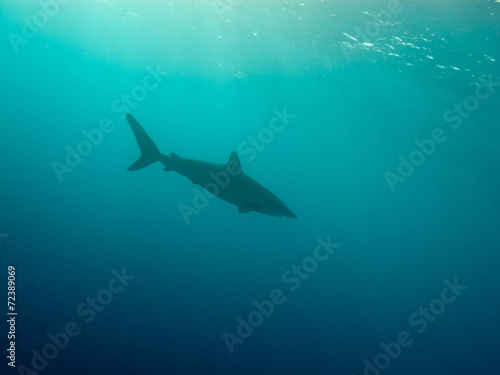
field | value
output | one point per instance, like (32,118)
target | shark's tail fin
(149,151)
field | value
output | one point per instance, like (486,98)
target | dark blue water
(375,122)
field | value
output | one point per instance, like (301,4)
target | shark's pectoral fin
(245,208)
(193,181)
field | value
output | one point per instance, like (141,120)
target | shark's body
(226,181)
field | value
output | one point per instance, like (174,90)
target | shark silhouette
(225,181)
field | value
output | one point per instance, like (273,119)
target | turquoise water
(375,122)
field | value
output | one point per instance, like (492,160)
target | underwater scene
(250,187)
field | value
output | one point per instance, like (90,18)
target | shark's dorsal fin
(234,160)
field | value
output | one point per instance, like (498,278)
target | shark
(225,181)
